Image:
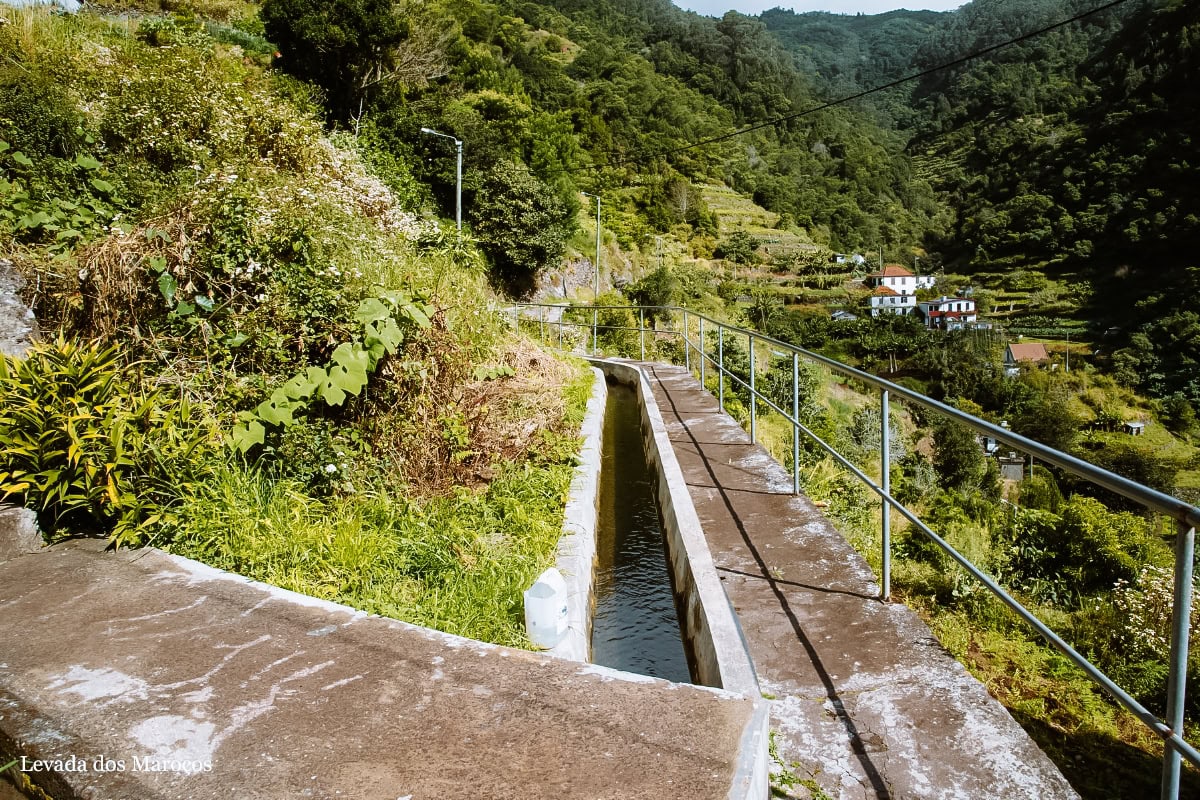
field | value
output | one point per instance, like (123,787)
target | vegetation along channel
(636,626)
(268,245)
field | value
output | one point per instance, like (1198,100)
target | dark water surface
(636,627)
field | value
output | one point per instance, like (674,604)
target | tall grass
(457,563)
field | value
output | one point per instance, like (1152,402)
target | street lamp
(596,295)
(457,175)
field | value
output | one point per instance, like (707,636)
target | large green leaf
(372,310)
(167,286)
(278,409)
(246,435)
(347,374)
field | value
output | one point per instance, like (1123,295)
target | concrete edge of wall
(710,625)
(576,558)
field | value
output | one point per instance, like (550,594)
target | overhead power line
(858,95)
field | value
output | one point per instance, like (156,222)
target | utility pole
(596,291)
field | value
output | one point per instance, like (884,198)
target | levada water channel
(636,626)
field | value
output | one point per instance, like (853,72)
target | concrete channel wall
(576,558)
(711,629)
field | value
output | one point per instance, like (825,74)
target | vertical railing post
(721,366)
(560,324)
(885,483)
(795,423)
(703,352)
(542,326)
(687,347)
(753,393)
(595,325)
(1181,616)
(642,333)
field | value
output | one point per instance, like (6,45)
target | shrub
(85,449)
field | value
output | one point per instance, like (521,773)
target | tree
(957,456)
(340,45)
(521,224)
(739,247)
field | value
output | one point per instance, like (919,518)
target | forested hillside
(1072,152)
(602,96)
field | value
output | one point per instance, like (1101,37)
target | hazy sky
(717,8)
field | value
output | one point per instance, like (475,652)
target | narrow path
(863,697)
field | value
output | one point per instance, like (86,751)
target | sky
(717,8)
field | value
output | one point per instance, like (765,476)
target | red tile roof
(885,291)
(892,271)
(1028,352)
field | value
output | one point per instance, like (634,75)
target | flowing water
(635,627)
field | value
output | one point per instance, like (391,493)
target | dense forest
(1066,153)
(1072,152)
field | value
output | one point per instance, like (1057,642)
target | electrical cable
(636,158)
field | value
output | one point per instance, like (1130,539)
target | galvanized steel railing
(695,334)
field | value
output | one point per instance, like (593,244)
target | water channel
(636,626)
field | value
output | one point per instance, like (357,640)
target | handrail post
(1181,616)
(642,332)
(885,483)
(687,346)
(703,356)
(721,366)
(795,422)
(753,393)
(560,324)
(595,325)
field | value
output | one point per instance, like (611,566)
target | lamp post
(596,295)
(457,174)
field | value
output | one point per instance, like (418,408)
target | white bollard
(546,609)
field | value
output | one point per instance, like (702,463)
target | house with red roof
(885,300)
(948,313)
(1017,356)
(899,280)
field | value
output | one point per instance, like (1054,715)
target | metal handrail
(1186,516)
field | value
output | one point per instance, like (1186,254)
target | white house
(948,313)
(900,280)
(885,300)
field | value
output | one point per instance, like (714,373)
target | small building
(900,280)
(1024,355)
(885,300)
(1136,428)
(1012,467)
(843,316)
(838,258)
(948,313)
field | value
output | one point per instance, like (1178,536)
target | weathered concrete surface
(709,624)
(864,698)
(141,655)
(19,533)
(576,555)
(17,324)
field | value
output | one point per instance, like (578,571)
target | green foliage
(1084,549)
(385,320)
(340,46)
(88,450)
(33,215)
(739,247)
(520,223)
(957,456)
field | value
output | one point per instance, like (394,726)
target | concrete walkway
(863,697)
(167,679)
